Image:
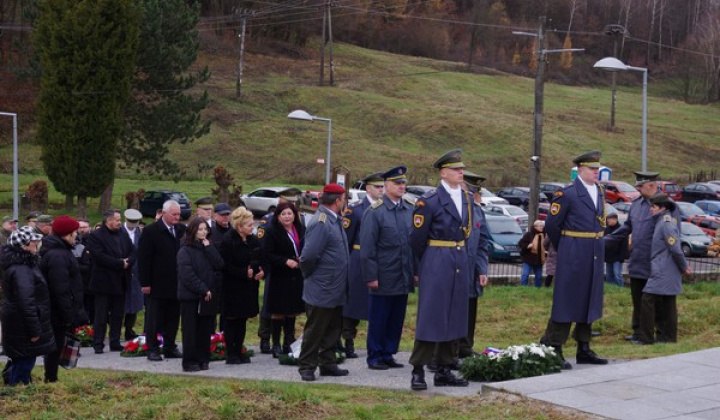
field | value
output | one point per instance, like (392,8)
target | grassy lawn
(506,315)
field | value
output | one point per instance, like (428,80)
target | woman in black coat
(197,261)
(282,246)
(240,250)
(25,315)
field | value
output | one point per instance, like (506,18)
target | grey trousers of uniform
(322,330)
(658,311)
(557,333)
(423,352)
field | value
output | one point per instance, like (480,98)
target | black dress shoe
(350,349)
(191,368)
(378,366)
(417,383)
(116,347)
(333,371)
(444,377)
(205,366)
(276,351)
(173,353)
(393,364)
(265,346)
(98,350)
(154,356)
(307,375)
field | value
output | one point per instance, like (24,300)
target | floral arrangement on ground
(138,347)
(218,350)
(85,334)
(514,362)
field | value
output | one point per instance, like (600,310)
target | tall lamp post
(614,65)
(15,163)
(299,114)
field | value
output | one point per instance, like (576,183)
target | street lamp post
(613,64)
(304,116)
(15,164)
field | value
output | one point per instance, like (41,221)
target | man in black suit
(112,258)
(157,262)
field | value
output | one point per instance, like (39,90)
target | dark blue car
(505,233)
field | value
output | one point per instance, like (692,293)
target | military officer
(665,283)
(357,305)
(443,220)
(264,324)
(204,207)
(576,226)
(387,268)
(43,225)
(478,258)
(324,263)
(31,218)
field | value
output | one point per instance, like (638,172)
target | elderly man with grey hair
(157,268)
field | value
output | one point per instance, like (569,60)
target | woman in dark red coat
(282,246)
(240,250)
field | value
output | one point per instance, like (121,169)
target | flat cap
(643,177)
(589,159)
(662,200)
(333,188)
(396,174)
(132,215)
(45,218)
(451,159)
(9,219)
(374,179)
(223,208)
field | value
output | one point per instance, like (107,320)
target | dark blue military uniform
(357,306)
(264,324)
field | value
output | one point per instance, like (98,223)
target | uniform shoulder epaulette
(407,200)
(348,211)
(430,193)
(377,204)
(322,218)
(667,218)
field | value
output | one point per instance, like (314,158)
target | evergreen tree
(87,52)
(160,111)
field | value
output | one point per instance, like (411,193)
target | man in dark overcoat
(324,264)
(443,221)
(134,301)
(112,256)
(157,263)
(388,269)
(576,225)
(357,305)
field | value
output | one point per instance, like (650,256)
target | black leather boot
(350,349)
(417,382)
(289,334)
(445,377)
(559,351)
(130,334)
(277,325)
(585,356)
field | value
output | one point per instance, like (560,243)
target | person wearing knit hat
(62,273)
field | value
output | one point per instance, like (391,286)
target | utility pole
(330,41)
(535,157)
(327,23)
(615,31)
(322,46)
(243,15)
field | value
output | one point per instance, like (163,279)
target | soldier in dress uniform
(265,324)
(357,305)
(576,225)
(659,299)
(443,221)
(204,209)
(641,225)
(387,269)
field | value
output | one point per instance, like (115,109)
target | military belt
(585,235)
(356,247)
(448,244)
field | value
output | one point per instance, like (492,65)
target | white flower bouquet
(514,362)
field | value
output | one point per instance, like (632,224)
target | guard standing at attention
(576,225)
(443,220)
(357,305)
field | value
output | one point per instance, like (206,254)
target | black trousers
(322,330)
(52,360)
(163,315)
(466,344)
(658,311)
(557,333)
(234,336)
(349,328)
(108,308)
(196,334)
(425,351)
(636,292)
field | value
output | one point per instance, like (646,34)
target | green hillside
(389,109)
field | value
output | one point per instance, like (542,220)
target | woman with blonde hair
(241,251)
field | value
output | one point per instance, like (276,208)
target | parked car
(505,234)
(518,214)
(354,195)
(153,200)
(264,200)
(622,207)
(549,188)
(711,208)
(671,189)
(543,209)
(688,210)
(693,241)
(616,191)
(413,192)
(701,191)
(519,196)
(486,197)
(716,181)
(708,224)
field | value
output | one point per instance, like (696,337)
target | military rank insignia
(418,220)
(345,222)
(419,203)
(555,209)
(671,240)
(263,221)
(260,233)
(558,193)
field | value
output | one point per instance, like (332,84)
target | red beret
(64,225)
(334,189)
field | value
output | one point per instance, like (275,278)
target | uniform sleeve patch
(263,222)
(345,222)
(671,240)
(260,233)
(555,209)
(558,193)
(418,220)
(348,211)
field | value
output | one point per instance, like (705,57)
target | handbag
(70,352)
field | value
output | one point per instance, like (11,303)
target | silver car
(518,214)
(265,200)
